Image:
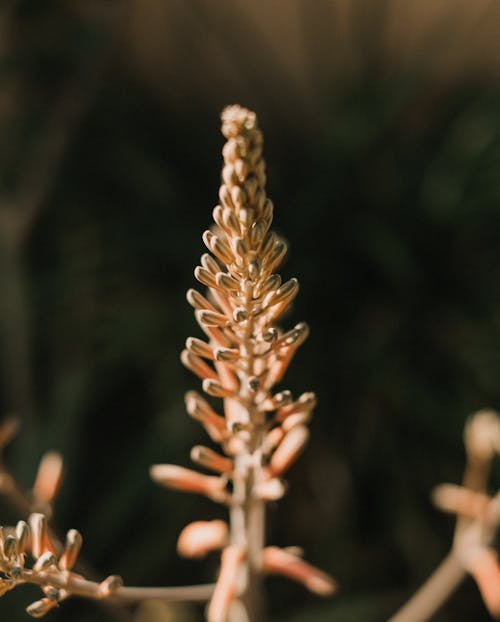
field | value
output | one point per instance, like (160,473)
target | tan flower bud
(288,450)
(186,480)
(49,477)
(211,460)
(201,537)
(71,550)
(226,586)
(278,561)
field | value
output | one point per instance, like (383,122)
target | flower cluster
(244,356)
(28,555)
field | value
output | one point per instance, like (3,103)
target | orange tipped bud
(204,276)
(186,480)
(49,477)
(285,294)
(201,410)
(226,282)
(199,538)
(45,560)
(209,263)
(199,348)
(289,450)
(216,389)
(272,440)
(10,547)
(219,247)
(226,354)
(40,541)
(71,550)
(22,536)
(461,501)
(211,318)
(278,561)
(226,587)
(305,404)
(40,607)
(109,586)
(197,365)
(198,301)
(210,459)
(486,573)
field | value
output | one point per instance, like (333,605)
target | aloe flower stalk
(244,356)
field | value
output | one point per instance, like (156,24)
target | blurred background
(382,128)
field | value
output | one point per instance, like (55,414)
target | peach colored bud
(226,587)
(271,284)
(41,607)
(45,560)
(297,419)
(109,586)
(272,440)
(186,480)
(227,376)
(210,459)
(198,301)
(278,561)
(204,276)
(461,501)
(197,365)
(288,450)
(200,409)
(209,263)
(22,536)
(294,337)
(10,547)
(219,247)
(226,354)
(275,256)
(226,282)
(270,490)
(285,294)
(40,541)
(486,573)
(49,477)
(199,348)
(72,548)
(211,318)
(216,389)
(199,538)
(305,404)
(482,434)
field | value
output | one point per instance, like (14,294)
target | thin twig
(433,593)
(78,586)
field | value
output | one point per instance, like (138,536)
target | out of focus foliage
(382,126)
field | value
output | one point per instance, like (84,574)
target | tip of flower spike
(235,118)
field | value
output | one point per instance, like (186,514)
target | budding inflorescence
(244,356)
(28,555)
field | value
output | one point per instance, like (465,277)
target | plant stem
(433,593)
(90,589)
(247,516)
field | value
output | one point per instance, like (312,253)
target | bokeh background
(382,127)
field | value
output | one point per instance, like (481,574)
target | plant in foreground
(261,434)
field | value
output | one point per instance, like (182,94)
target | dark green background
(384,167)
